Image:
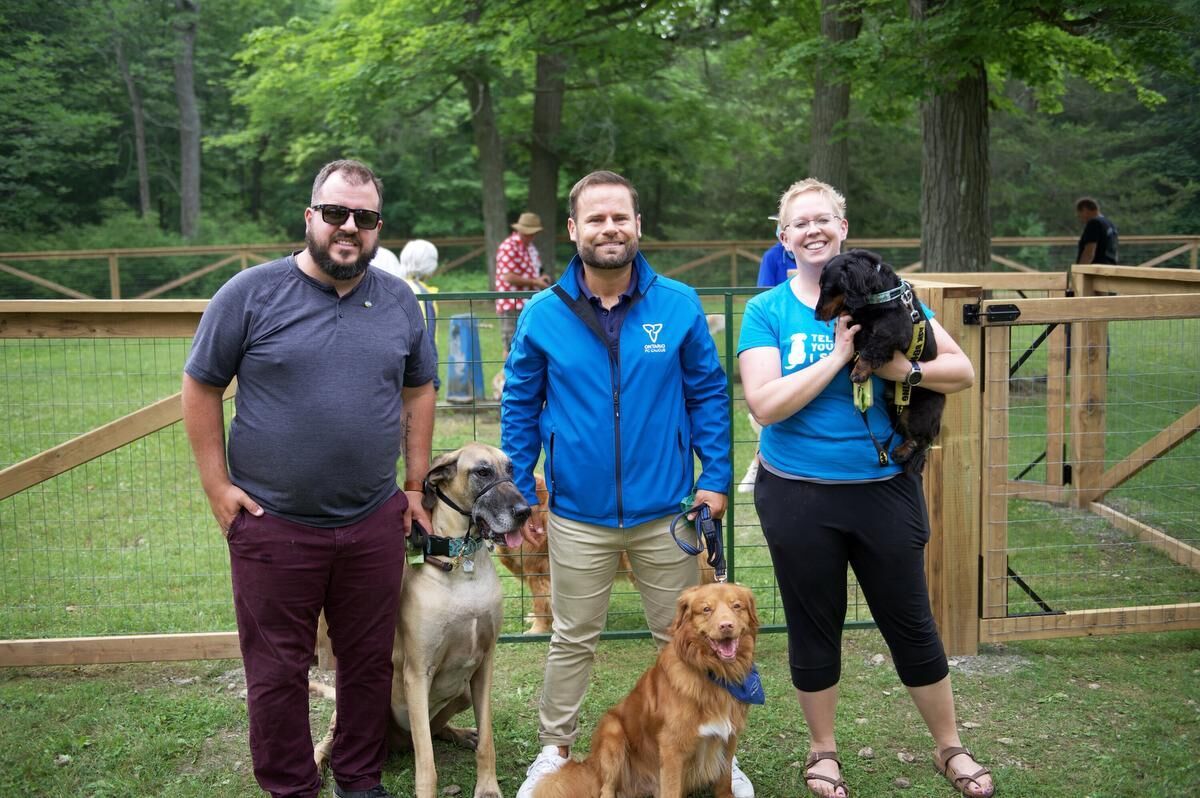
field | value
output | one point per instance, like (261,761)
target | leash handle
(708,536)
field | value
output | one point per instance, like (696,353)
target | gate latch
(996,314)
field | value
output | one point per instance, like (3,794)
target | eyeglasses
(800,225)
(337,215)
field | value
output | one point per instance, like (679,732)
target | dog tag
(468,564)
(415,557)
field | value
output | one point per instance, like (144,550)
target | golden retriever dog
(530,563)
(449,616)
(677,731)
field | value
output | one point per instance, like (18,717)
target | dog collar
(891,294)
(748,692)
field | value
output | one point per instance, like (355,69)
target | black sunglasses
(336,215)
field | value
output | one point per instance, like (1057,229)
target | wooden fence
(739,259)
(1087,525)
(983,543)
(125,489)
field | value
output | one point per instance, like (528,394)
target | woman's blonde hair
(805,186)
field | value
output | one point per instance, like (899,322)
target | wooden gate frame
(1141,297)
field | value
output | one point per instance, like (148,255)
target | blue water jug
(464,365)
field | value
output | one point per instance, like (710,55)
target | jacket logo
(652,330)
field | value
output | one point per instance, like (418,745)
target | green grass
(1098,717)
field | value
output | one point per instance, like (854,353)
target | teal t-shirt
(826,440)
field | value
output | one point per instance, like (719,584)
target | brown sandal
(813,758)
(960,781)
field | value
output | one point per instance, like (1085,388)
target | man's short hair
(601,178)
(1087,204)
(812,184)
(355,172)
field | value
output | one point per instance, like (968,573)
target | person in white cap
(418,260)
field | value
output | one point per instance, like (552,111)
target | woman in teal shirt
(825,502)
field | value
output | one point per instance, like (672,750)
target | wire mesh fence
(125,544)
(1101,499)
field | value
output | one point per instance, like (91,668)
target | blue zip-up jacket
(618,434)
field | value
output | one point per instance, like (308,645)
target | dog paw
(491,790)
(464,738)
(904,452)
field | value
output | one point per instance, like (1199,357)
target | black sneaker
(375,792)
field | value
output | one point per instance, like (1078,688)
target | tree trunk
(956,220)
(491,166)
(829,157)
(189,118)
(543,163)
(139,128)
(257,168)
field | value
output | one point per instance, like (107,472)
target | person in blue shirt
(776,261)
(824,501)
(614,375)
(772,271)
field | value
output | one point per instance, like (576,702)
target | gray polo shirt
(316,432)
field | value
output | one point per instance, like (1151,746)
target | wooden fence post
(114,276)
(952,487)
(1089,390)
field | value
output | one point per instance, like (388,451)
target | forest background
(138,123)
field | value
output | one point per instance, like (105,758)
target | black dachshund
(858,282)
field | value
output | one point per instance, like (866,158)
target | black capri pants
(880,528)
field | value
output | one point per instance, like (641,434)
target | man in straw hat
(518,268)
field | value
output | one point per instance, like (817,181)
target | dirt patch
(988,663)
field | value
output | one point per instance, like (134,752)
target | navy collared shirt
(610,319)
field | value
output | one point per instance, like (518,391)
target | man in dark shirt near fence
(1098,244)
(335,375)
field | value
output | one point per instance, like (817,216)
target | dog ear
(683,609)
(858,276)
(444,469)
(751,608)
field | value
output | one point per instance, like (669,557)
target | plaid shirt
(517,258)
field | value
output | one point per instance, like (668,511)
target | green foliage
(56,141)
(705,106)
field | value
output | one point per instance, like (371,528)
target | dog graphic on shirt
(798,354)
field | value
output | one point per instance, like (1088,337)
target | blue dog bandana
(749,691)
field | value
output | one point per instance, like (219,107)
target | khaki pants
(583,565)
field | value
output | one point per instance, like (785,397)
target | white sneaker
(747,483)
(742,788)
(546,763)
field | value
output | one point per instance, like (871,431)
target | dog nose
(726,626)
(521,513)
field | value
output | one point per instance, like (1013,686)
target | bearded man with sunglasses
(335,376)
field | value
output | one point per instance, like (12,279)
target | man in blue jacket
(614,375)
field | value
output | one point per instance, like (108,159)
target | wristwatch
(914,377)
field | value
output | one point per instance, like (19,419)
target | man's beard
(331,267)
(590,257)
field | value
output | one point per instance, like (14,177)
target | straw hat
(528,223)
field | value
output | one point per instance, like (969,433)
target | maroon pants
(284,573)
